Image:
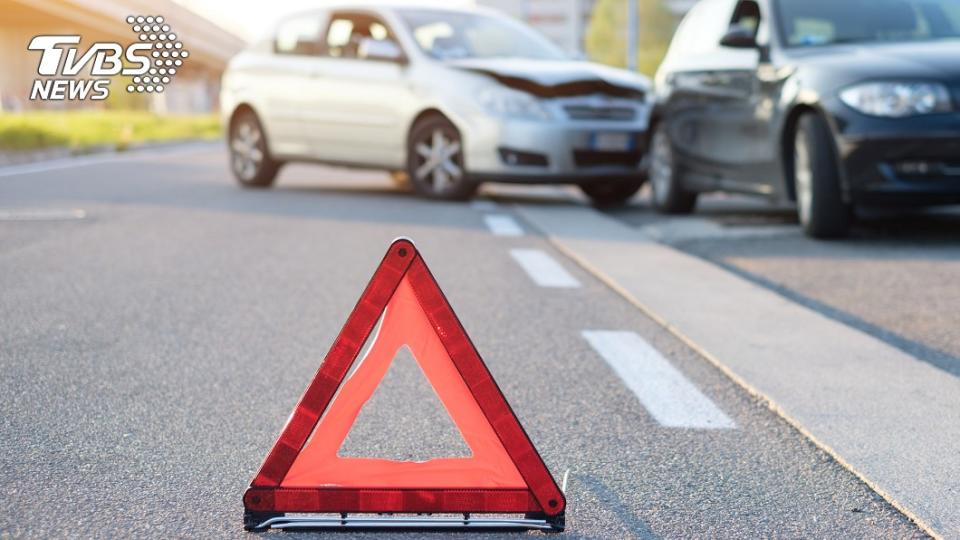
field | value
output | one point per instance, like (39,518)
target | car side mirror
(380,49)
(739,37)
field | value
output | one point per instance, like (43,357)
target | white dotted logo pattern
(168,54)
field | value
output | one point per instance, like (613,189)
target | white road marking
(543,269)
(666,394)
(502,225)
(484,205)
(41,214)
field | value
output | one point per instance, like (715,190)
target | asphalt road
(154,344)
(895,277)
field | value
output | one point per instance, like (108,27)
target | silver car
(446,98)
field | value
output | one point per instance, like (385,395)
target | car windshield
(447,35)
(806,23)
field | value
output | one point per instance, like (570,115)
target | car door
(710,90)
(364,97)
(287,109)
(743,115)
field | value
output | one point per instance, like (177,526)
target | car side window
(702,29)
(299,36)
(697,48)
(347,31)
(683,38)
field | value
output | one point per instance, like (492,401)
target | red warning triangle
(304,473)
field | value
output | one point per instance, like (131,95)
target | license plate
(611,142)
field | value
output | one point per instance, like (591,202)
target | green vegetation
(81,130)
(606,36)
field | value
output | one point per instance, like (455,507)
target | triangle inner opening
(404,419)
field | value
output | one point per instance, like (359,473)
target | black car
(829,103)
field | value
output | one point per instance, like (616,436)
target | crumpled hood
(556,78)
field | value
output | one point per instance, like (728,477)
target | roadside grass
(82,130)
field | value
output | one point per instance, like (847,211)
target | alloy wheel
(661,165)
(439,161)
(803,176)
(247,149)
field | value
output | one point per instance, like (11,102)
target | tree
(606,36)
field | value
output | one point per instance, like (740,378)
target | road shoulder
(891,419)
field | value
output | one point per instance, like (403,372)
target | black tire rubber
(266,174)
(612,193)
(829,216)
(460,190)
(668,196)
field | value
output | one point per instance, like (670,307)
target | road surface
(160,324)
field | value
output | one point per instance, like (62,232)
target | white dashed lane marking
(543,269)
(668,396)
(502,225)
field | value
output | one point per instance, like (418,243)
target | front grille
(587,112)
(591,158)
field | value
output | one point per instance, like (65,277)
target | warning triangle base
(256,522)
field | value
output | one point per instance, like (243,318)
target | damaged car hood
(558,78)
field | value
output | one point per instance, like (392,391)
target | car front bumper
(899,161)
(566,151)
(903,170)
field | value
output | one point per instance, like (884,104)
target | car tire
(668,194)
(816,174)
(250,158)
(612,193)
(435,161)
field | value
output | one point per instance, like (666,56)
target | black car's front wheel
(816,174)
(669,195)
(435,161)
(250,158)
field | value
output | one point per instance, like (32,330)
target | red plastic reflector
(304,473)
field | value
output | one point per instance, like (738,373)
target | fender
(795,100)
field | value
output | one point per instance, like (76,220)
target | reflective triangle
(304,473)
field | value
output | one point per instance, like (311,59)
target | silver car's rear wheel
(435,161)
(250,158)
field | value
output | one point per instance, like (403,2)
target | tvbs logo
(151,62)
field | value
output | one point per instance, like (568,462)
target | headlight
(512,103)
(898,99)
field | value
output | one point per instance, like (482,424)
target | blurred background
(215,30)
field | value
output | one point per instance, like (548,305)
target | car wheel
(609,193)
(435,161)
(250,158)
(816,174)
(669,195)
